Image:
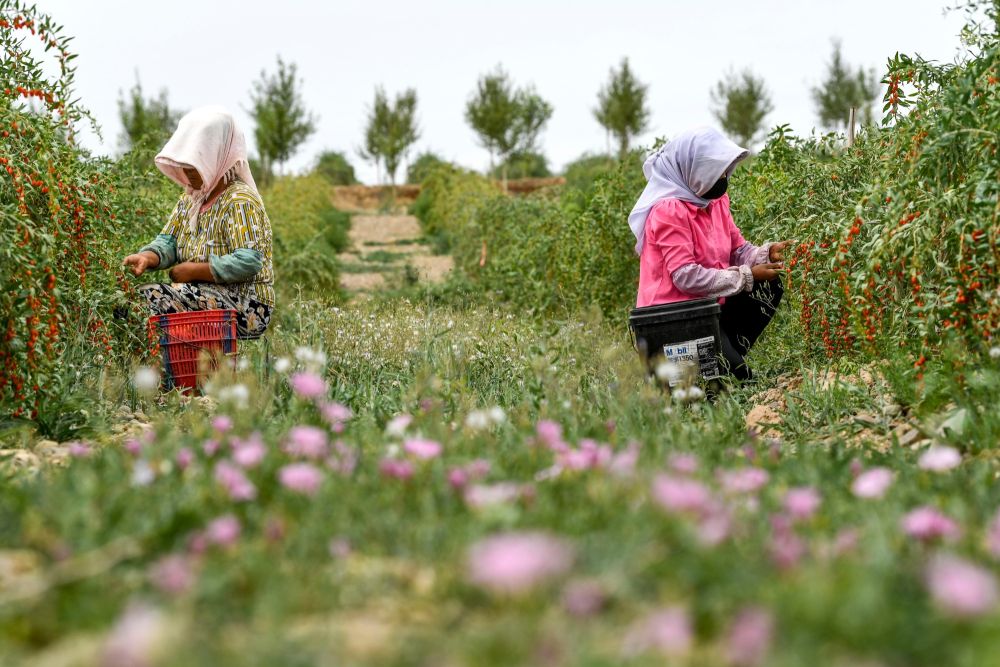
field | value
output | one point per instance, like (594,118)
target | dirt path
(386,252)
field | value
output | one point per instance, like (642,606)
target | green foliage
(523,165)
(282,122)
(542,254)
(308,233)
(391,130)
(507,120)
(335,168)
(66,220)
(448,201)
(621,107)
(842,89)
(146,123)
(742,102)
(422,165)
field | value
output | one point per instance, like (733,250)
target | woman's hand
(776,253)
(141,262)
(765,272)
(192,272)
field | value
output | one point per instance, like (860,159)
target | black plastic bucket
(681,331)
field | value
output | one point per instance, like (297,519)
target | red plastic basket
(182,339)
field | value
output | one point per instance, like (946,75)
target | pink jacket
(693,252)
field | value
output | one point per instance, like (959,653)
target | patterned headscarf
(209,140)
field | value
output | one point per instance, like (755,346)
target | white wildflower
(142,473)
(995,353)
(282,365)
(497,415)
(477,420)
(668,371)
(146,379)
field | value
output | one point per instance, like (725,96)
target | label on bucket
(700,351)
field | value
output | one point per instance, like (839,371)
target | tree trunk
(622,146)
(503,171)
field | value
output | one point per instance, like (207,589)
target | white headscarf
(209,140)
(685,168)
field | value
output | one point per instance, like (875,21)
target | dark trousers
(741,322)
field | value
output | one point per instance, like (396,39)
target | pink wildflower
(685,464)
(223,531)
(336,414)
(137,638)
(422,448)
(743,480)
(80,450)
(961,588)
(250,452)
(927,523)
(133,446)
(993,536)
(939,458)
(514,563)
(234,481)
(222,424)
(666,631)
(714,525)
(343,460)
(749,637)
(872,483)
(677,494)
(185,457)
(786,547)
(396,468)
(550,433)
(584,598)
(210,447)
(308,385)
(173,574)
(397,425)
(483,496)
(623,462)
(302,478)
(801,502)
(306,441)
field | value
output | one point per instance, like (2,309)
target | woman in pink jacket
(690,248)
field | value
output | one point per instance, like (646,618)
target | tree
(742,102)
(523,165)
(282,121)
(392,130)
(621,107)
(422,165)
(843,89)
(146,123)
(507,120)
(334,167)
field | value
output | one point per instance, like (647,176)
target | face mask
(718,189)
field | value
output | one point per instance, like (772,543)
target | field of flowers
(481,473)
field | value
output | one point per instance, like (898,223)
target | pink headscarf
(209,140)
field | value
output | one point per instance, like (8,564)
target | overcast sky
(210,51)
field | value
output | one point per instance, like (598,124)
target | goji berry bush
(65,218)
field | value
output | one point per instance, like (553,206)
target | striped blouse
(235,221)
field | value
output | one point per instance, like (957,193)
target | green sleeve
(165,247)
(239,266)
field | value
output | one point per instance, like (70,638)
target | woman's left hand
(776,253)
(191,272)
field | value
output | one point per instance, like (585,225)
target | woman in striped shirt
(217,242)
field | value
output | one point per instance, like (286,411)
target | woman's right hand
(765,272)
(141,262)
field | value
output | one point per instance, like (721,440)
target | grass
(395,590)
